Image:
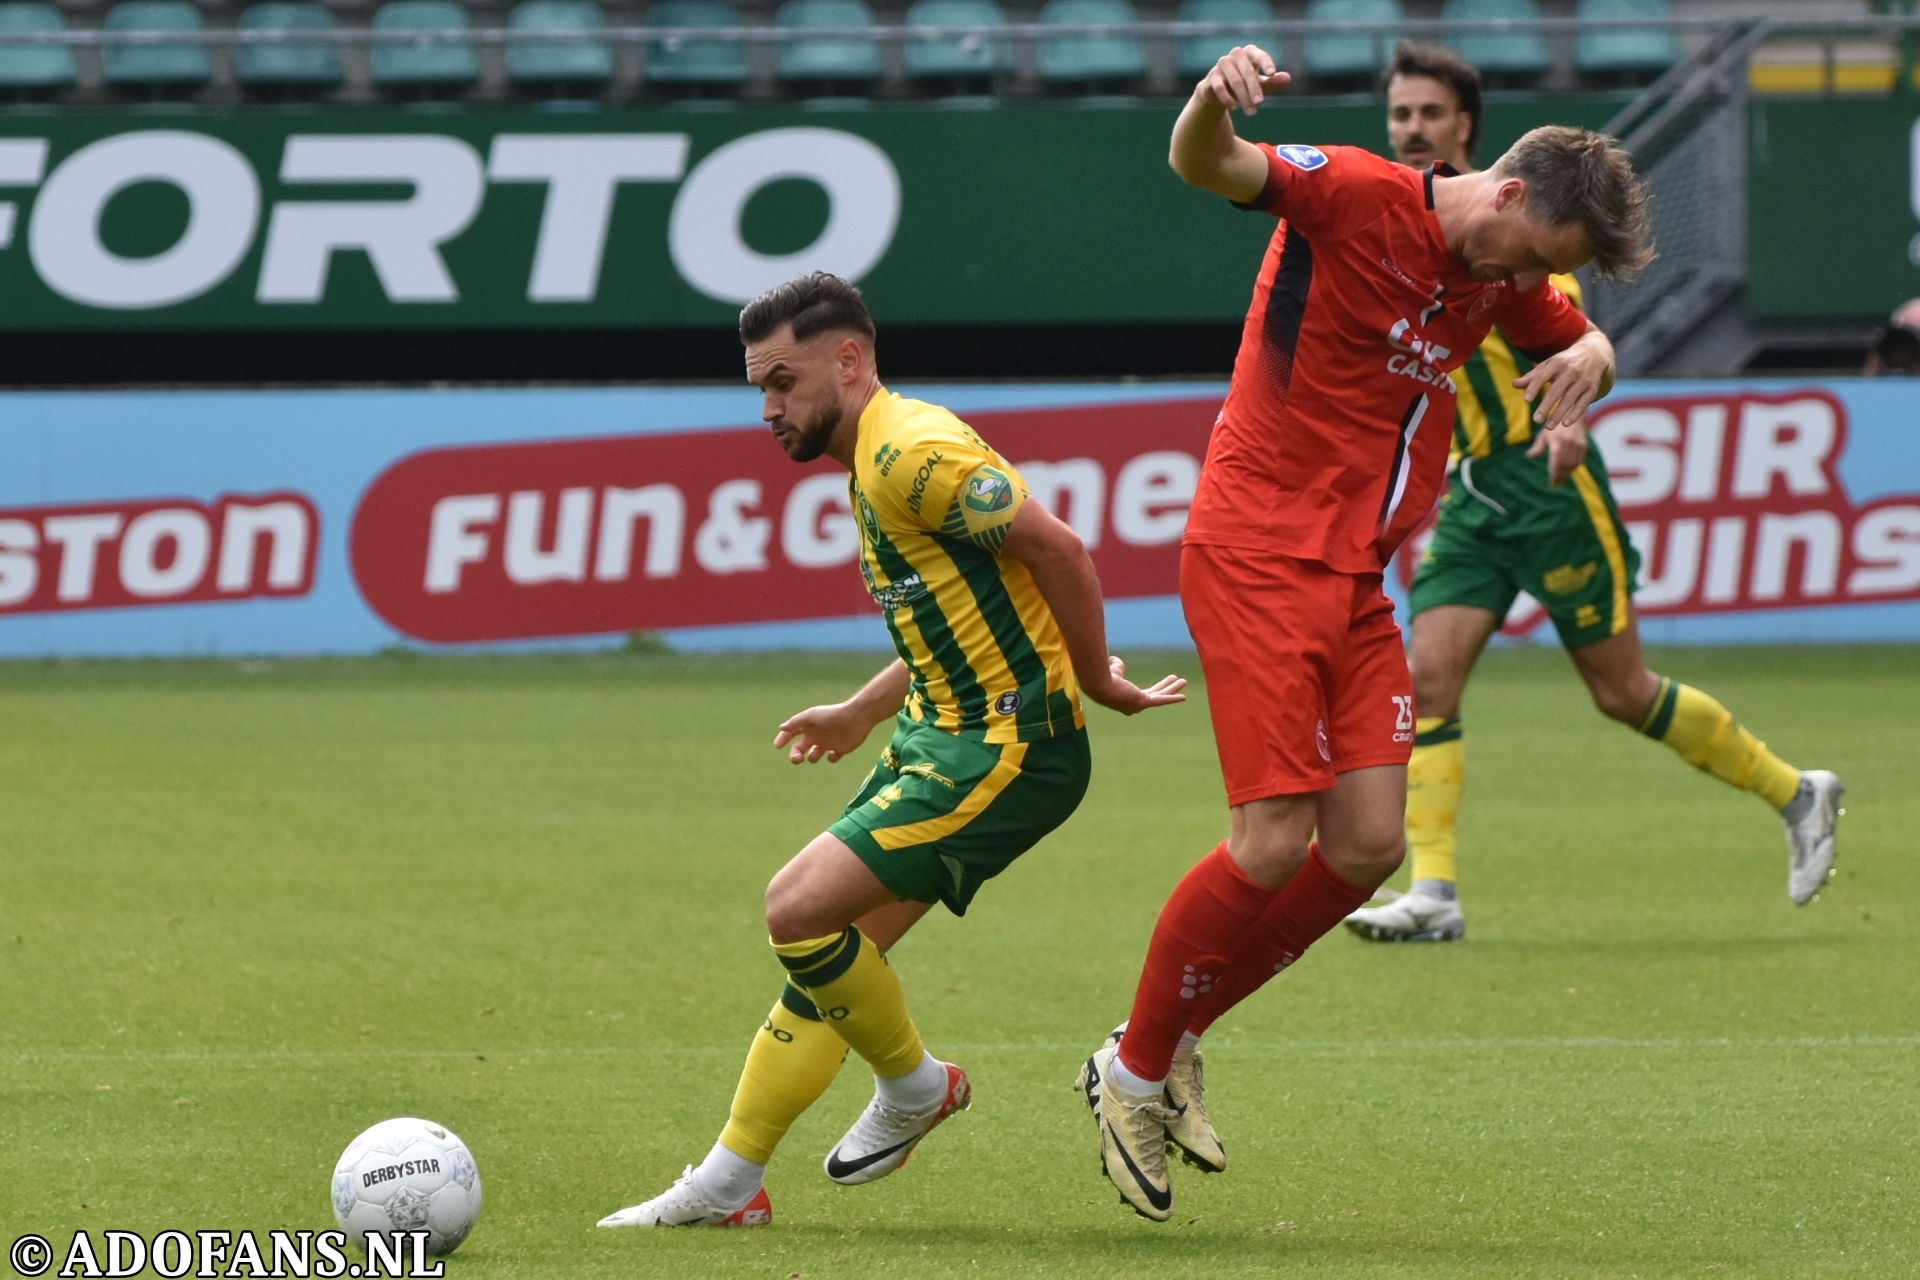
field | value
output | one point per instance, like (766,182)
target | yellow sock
(1435,776)
(852,984)
(792,1060)
(1705,735)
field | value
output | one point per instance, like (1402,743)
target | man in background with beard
(1530,510)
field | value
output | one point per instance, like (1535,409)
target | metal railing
(1687,133)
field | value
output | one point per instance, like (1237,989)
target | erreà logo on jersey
(1301,157)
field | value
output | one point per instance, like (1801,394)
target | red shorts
(1306,672)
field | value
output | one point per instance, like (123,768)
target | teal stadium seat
(562,62)
(839,59)
(315,65)
(1347,57)
(1499,55)
(958,57)
(154,65)
(1090,59)
(1624,50)
(422,64)
(684,60)
(34,66)
(1197,54)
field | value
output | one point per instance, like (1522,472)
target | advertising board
(346,521)
(1833,206)
(639,218)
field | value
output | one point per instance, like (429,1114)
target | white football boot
(684,1205)
(1810,849)
(1191,1131)
(1133,1137)
(1411,917)
(884,1136)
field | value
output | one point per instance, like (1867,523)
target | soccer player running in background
(995,611)
(1528,511)
(1329,451)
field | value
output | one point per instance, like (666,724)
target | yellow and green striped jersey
(934,504)
(1490,413)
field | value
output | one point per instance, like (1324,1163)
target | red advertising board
(156,551)
(630,533)
(1735,504)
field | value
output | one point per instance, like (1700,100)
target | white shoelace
(1138,1116)
(881,1120)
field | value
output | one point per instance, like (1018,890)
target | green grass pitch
(247,909)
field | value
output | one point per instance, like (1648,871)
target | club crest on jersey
(1008,703)
(1304,158)
(1481,305)
(988,491)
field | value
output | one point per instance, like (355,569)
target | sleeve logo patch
(1304,158)
(988,491)
(1007,703)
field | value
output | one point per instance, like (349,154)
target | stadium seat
(1350,57)
(961,57)
(1788,66)
(25,67)
(422,64)
(1090,60)
(1865,66)
(1624,51)
(569,62)
(1197,54)
(680,60)
(840,59)
(1510,56)
(289,64)
(154,66)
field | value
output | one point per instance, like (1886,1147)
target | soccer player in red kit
(1329,450)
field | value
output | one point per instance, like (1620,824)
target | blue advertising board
(303,522)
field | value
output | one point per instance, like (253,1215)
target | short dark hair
(1574,175)
(1437,62)
(812,304)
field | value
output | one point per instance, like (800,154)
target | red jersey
(1332,444)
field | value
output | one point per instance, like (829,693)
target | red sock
(1209,910)
(1305,909)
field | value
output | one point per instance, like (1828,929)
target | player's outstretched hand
(1562,386)
(1243,78)
(823,733)
(1129,699)
(1565,447)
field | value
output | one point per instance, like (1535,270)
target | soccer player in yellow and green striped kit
(995,611)
(1529,510)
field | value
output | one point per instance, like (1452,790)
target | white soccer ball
(407,1175)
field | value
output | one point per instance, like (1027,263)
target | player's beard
(817,431)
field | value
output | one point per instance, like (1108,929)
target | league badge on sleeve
(1304,158)
(988,491)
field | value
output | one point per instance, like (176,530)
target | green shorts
(940,815)
(1503,530)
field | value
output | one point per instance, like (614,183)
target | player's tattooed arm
(1563,386)
(1205,151)
(1064,575)
(837,729)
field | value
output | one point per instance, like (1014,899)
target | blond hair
(1575,176)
